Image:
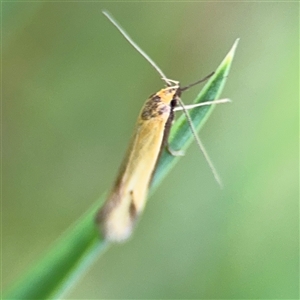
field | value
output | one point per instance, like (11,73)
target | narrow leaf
(80,246)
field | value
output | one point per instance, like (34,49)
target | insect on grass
(127,199)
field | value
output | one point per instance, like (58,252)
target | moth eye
(174,103)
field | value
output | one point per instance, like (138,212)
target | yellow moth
(127,199)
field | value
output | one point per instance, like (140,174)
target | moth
(127,199)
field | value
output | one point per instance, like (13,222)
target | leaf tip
(231,53)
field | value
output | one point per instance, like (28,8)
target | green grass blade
(70,257)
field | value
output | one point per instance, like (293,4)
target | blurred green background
(72,89)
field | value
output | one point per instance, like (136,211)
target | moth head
(169,95)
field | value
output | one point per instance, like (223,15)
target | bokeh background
(72,88)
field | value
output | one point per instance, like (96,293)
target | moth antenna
(200,145)
(197,82)
(144,54)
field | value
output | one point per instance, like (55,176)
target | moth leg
(175,152)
